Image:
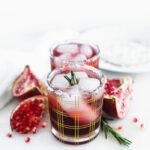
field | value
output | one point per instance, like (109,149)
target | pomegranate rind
(35,87)
(23,109)
(117,102)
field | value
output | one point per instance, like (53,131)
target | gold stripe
(58,118)
(75,115)
(78,126)
(87,100)
(75,134)
(73,127)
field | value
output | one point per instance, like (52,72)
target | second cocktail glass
(70,52)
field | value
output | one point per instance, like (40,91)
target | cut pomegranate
(28,114)
(117,97)
(27,85)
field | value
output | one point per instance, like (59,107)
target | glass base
(75,140)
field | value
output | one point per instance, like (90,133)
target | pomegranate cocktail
(74,52)
(75,100)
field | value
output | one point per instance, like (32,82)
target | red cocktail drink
(74,52)
(75,109)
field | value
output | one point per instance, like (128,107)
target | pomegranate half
(27,115)
(27,85)
(117,97)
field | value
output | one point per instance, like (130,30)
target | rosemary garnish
(72,80)
(104,121)
(109,130)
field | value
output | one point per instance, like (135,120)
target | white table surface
(44,139)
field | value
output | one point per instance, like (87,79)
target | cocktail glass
(75,110)
(62,54)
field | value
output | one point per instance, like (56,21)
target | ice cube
(74,105)
(68,48)
(71,98)
(74,91)
(86,51)
(59,82)
(88,84)
(79,57)
(78,74)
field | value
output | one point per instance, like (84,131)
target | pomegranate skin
(109,107)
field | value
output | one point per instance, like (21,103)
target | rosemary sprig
(109,130)
(72,80)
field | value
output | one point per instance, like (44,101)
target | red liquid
(74,52)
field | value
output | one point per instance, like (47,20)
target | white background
(24,22)
(27,19)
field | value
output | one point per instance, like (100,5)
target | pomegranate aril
(34,130)
(120,127)
(43,125)
(141,125)
(9,135)
(27,139)
(135,120)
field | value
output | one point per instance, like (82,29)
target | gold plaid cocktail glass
(76,119)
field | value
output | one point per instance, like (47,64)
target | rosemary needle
(72,80)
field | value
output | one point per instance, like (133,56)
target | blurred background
(22,22)
(33,25)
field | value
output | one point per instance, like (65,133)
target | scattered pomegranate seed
(120,127)
(141,125)
(34,130)
(135,120)
(27,139)
(9,135)
(44,124)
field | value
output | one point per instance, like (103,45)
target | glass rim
(75,41)
(58,70)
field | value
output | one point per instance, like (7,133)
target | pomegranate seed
(34,130)
(141,125)
(9,135)
(27,139)
(43,125)
(120,127)
(135,120)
